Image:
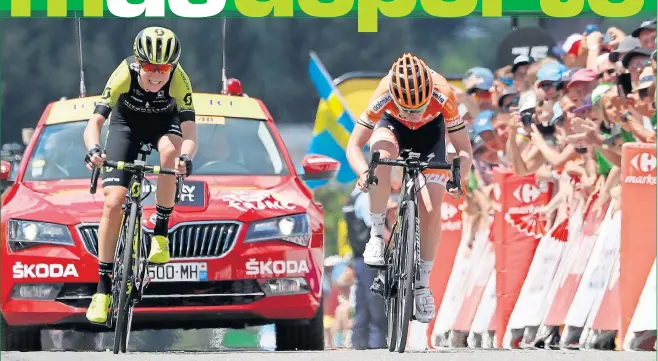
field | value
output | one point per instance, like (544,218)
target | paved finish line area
(370,355)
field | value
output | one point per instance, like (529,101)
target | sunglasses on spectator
(477,91)
(506,107)
(609,71)
(155,68)
(549,84)
(639,64)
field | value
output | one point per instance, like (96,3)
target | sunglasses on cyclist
(155,68)
(413,111)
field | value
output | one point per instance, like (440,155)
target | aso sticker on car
(245,200)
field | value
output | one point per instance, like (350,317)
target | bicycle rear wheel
(406,268)
(121,330)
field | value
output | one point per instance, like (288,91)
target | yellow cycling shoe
(97,311)
(159,250)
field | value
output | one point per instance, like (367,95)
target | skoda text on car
(246,240)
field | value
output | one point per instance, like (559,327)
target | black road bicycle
(129,275)
(396,279)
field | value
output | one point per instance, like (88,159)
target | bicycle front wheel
(407,270)
(123,309)
(391,292)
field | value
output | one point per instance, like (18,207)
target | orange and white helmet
(410,83)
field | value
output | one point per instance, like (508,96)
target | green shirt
(472,182)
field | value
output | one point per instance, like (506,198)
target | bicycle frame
(132,278)
(398,282)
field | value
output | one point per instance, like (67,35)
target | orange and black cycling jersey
(123,92)
(443,102)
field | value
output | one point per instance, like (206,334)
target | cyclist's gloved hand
(184,165)
(94,157)
(362,183)
(455,190)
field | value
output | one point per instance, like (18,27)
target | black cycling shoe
(377,287)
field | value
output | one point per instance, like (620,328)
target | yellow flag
(343,244)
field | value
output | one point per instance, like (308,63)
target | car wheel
(307,336)
(24,339)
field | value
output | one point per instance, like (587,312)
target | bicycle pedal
(145,282)
(378,268)
(377,287)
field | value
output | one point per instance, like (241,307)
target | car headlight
(25,234)
(294,229)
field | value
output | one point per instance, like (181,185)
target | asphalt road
(334,355)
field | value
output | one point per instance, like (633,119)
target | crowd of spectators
(563,119)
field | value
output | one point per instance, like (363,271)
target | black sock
(105,273)
(162,220)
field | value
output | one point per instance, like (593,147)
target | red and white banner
(590,277)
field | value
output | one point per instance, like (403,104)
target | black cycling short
(124,137)
(428,140)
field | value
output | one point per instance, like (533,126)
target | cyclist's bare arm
(118,84)
(456,129)
(92,133)
(181,91)
(354,151)
(364,128)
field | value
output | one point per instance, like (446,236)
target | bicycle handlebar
(128,167)
(415,163)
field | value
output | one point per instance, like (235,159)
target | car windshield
(236,147)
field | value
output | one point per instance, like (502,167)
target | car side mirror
(319,167)
(5,168)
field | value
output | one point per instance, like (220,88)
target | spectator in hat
(478,83)
(544,138)
(644,98)
(606,70)
(520,72)
(582,82)
(646,33)
(508,98)
(627,44)
(572,51)
(617,113)
(484,128)
(548,80)
(635,61)
(503,79)
(566,78)
(522,159)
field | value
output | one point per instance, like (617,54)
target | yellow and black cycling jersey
(123,92)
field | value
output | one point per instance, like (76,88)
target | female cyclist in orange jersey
(412,108)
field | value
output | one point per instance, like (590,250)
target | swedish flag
(333,123)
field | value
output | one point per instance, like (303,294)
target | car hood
(242,198)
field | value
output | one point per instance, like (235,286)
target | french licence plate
(179,272)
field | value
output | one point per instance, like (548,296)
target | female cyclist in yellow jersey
(149,97)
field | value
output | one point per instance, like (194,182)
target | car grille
(162,294)
(202,240)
